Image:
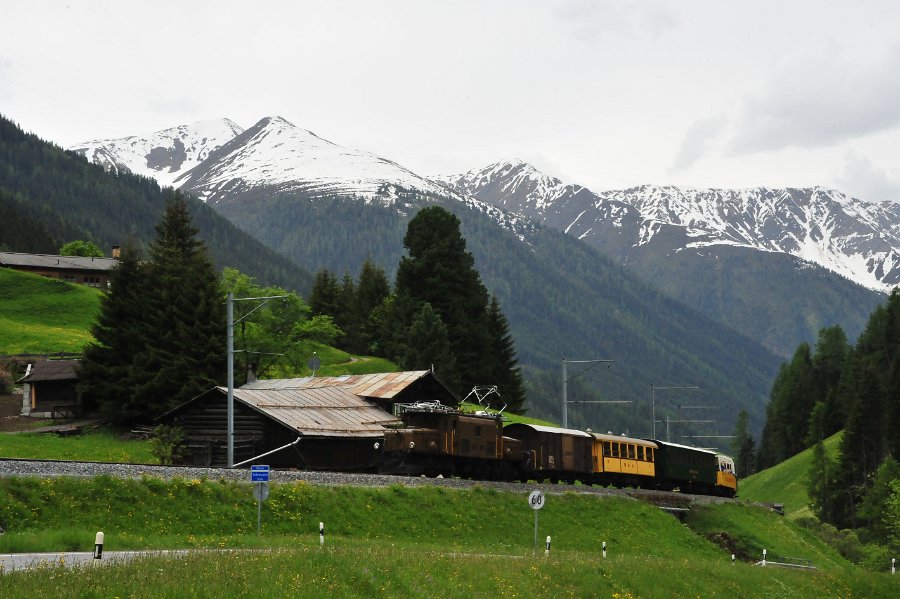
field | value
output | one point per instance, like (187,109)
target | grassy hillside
(402,541)
(41,315)
(786,482)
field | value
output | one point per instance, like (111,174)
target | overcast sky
(605,93)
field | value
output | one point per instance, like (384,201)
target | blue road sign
(259,474)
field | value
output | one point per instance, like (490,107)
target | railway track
(53,468)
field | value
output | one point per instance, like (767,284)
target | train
(437,440)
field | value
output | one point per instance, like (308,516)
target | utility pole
(230,299)
(566,379)
(653,389)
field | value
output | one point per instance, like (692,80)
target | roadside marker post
(547,550)
(98,546)
(321,534)
(536,501)
(604,549)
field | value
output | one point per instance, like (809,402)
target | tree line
(851,388)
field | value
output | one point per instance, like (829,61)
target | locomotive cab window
(477,431)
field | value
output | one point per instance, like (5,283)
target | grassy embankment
(786,482)
(395,541)
(41,315)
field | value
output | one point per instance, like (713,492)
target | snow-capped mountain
(273,154)
(856,239)
(164,155)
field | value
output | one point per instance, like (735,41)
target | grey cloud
(863,179)
(696,141)
(596,20)
(818,99)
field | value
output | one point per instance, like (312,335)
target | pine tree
(323,298)
(743,446)
(505,372)
(183,325)
(371,291)
(439,271)
(429,348)
(105,372)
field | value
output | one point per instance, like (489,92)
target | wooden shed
(339,419)
(50,389)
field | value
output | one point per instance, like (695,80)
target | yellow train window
(607,448)
(640,452)
(631,451)
(650,455)
(615,450)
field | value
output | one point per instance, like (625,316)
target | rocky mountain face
(776,264)
(855,239)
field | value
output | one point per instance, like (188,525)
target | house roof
(52,370)
(320,412)
(338,406)
(57,262)
(384,385)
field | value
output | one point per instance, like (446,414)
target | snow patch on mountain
(856,239)
(164,155)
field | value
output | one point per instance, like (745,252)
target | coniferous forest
(837,386)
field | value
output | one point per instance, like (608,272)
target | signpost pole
(536,502)
(259,508)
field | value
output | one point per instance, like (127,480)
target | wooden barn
(340,420)
(50,391)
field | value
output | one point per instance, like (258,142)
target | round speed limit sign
(536,500)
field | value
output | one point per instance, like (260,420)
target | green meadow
(42,315)
(402,541)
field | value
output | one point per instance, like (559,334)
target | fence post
(764,557)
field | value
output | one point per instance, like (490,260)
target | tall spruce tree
(183,325)
(105,372)
(439,271)
(505,372)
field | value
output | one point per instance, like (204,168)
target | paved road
(22,561)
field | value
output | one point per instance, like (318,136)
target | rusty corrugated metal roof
(325,411)
(382,385)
